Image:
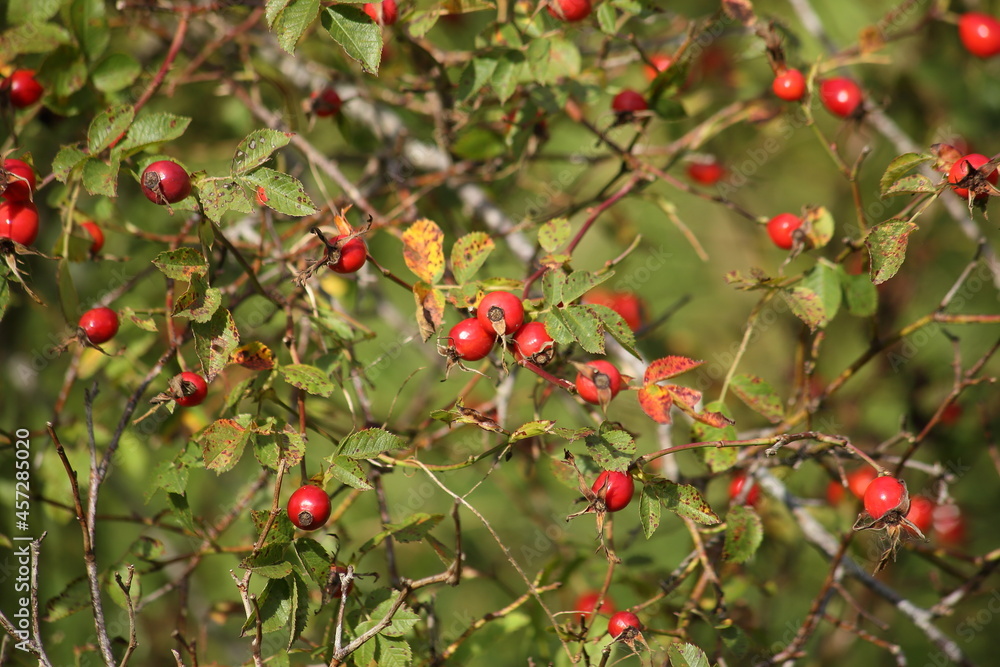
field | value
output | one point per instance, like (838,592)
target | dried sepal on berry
(332,252)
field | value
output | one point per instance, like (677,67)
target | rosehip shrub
(615,489)
(841,96)
(470,341)
(980,34)
(601,378)
(622,621)
(570,11)
(100,324)
(781,228)
(500,313)
(883,495)
(19,221)
(165,182)
(22,88)
(18,184)
(964,166)
(790,85)
(309,507)
(198,388)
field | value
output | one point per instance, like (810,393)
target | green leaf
(67,159)
(649,512)
(393,652)
(553,282)
(611,449)
(314,559)
(476,75)
(199,302)
(270,562)
(357,33)
(478,143)
(898,167)
(412,529)
(68,298)
(4,296)
(281,531)
(683,500)
(554,234)
(468,255)
(223,443)
(283,193)
(579,283)
(369,443)
(531,430)
(115,72)
(275,605)
(744,533)
(614,324)
(886,245)
(402,622)
(910,185)
(509,70)
(66,69)
(289,19)
(181,264)
(91,27)
(215,341)
(607,20)
(759,396)
(348,471)
(823,280)
(182,511)
(107,126)
(554,59)
(860,294)
(717,459)
(686,655)
(32,12)
(256,149)
(150,129)
(309,379)
(577,324)
(219,196)
(819,226)
(31,38)
(101,178)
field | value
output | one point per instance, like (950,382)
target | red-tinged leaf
(254,355)
(223,443)
(887,248)
(668,367)
(713,419)
(423,250)
(760,396)
(656,402)
(685,395)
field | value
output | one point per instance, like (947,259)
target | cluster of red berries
(619,621)
(18,214)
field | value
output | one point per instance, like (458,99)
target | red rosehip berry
(602,381)
(921,513)
(17,180)
(309,507)
(736,487)
(533,342)
(326,102)
(197,387)
(627,304)
(585,606)
(615,489)
(96,234)
(858,481)
(470,341)
(22,88)
(980,34)
(781,228)
(790,85)
(500,313)
(383,13)
(964,166)
(622,621)
(353,255)
(657,63)
(883,495)
(165,182)
(841,96)
(19,221)
(948,525)
(99,324)
(628,102)
(706,172)
(570,11)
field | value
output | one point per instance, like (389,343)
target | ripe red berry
(615,489)
(533,342)
(17,180)
(383,13)
(353,255)
(19,221)
(22,88)
(964,166)
(165,182)
(948,525)
(883,495)
(309,507)
(628,101)
(585,605)
(980,34)
(781,228)
(198,388)
(841,96)
(100,324)
(858,480)
(96,234)
(570,11)
(626,304)
(790,85)
(921,513)
(621,622)
(333,588)
(736,487)
(706,172)
(602,378)
(470,341)
(500,313)
(658,63)
(326,102)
